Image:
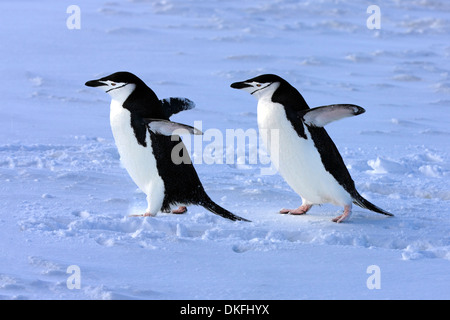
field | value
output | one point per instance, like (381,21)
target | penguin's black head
(132,93)
(118,85)
(260,85)
(275,88)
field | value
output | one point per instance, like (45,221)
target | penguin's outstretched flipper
(167,127)
(321,116)
(173,105)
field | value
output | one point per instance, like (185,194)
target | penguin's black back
(181,182)
(144,103)
(331,158)
(293,103)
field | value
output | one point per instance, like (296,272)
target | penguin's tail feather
(210,205)
(366,204)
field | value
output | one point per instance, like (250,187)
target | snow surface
(65,200)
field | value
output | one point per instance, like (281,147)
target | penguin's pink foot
(180,210)
(300,210)
(345,215)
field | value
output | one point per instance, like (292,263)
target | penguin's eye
(113,84)
(258,85)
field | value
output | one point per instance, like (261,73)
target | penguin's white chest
(139,161)
(297,159)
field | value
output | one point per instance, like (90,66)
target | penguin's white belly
(297,159)
(138,160)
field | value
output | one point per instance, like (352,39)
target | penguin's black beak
(240,85)
(94,83)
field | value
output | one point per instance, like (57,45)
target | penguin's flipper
(321,116)
(173,105)
(168,128)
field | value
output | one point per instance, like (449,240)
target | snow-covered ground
(65,200)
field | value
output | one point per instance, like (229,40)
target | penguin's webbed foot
(180,210)
(300,210)
(345,215)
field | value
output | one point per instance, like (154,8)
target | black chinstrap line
(262,88)
(116,87)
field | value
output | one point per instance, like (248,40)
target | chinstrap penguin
(306,156)
(143,135)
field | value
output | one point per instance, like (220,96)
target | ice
(65,199)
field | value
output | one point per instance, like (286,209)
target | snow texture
(65,200)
